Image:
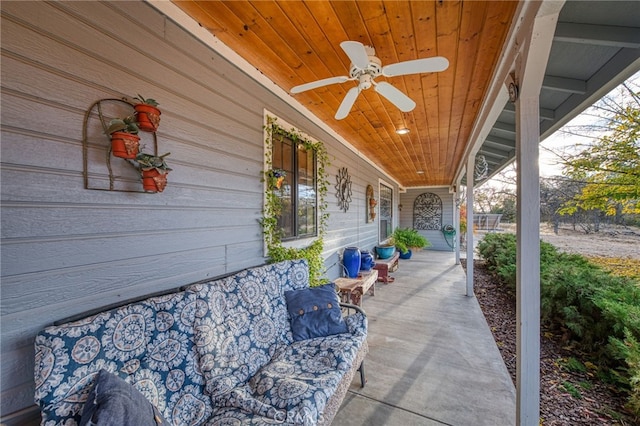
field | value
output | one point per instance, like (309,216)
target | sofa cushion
(114,402)
(149,342)
(315,312)
(298,382)
(246,323)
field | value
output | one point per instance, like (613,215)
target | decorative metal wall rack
(101,169)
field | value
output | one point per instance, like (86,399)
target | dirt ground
(610,241)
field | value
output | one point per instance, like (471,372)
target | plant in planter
(125,142)
(154,171)
(147,113)
(408,239)
(275,178)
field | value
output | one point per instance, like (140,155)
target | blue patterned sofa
(216,353)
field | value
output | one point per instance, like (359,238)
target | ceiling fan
(365,67)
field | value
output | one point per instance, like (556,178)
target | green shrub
(602,311)
(499,253)
(628,349)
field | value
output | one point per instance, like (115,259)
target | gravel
(567,397)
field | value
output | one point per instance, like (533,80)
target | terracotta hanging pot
(148,117)
(125,145)
(153,180)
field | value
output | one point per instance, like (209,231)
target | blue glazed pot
(351,261)
(366,260)
(406,255)
(385,252)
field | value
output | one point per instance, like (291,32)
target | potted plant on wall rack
(154,171)
(125,142)
(147,113)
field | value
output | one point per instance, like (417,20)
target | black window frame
(292,184)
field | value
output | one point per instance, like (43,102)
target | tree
(610,167)
(499,196)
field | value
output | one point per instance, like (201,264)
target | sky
(563,139)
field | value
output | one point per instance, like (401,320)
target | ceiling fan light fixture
(402,131)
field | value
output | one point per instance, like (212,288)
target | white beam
(563,84)
(601,35)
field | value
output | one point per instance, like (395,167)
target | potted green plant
(408,239)
(147,113)
(125,142)
(275,178)
(154,171)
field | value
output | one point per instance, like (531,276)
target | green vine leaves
(273,208)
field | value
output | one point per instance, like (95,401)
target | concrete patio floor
(432,359)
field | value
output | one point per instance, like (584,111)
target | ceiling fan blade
(357,53)
(395,96)
(318,83)
(347,103)
(417,66)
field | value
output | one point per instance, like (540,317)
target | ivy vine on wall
(276,251)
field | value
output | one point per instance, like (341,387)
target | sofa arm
(347,307)
(356,319)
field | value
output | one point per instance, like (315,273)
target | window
(386,212)
(299,216)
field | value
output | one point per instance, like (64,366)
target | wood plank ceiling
(296,42)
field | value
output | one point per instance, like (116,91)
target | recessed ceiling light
(402,131)
(420,172)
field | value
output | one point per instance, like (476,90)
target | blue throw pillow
(114,402)
(315,312)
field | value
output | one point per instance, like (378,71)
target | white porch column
(456,223)
(528,262)
(530,69)
(470,168)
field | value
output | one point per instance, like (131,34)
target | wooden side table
(352,289)
(384,266)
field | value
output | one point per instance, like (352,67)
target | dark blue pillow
(114,402)
(315,312)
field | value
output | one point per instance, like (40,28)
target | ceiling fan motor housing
(365,76)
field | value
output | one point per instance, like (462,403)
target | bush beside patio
(598,311)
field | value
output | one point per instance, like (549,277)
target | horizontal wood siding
(436,238)
(67,250)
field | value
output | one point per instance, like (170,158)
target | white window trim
(395,195)
(297,243)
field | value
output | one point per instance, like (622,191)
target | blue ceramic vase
(366,260)
(385,252)
(351,261)
(406,255)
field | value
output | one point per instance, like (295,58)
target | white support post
(456,225)
(528,262)
(470,168)
(530,69)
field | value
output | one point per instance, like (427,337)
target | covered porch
(518,70)
(432,358)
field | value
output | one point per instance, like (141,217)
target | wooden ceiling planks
(296,42)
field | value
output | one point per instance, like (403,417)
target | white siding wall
(436,238)
(66,250)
